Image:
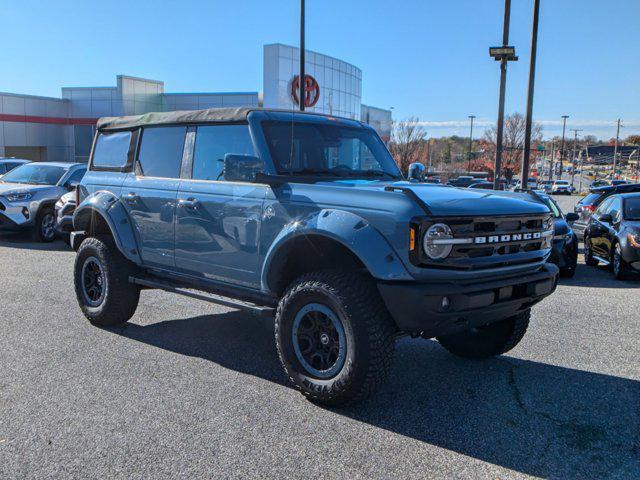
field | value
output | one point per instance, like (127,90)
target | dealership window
(111,150)
(213,143)
(161,151)
(83,138)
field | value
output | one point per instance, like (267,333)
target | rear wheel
(101,278)
(45,225)
(334,336)
(489,340)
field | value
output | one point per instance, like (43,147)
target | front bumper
(564,253)
(15,216)
(417,308)
(64,219)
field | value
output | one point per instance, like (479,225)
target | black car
(564,252)
(482,185)
(587,205)
(612,236)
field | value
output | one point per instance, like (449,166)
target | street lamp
(470,143)
(532,78)
(502,54)
(302,94)
(575,144)
(564,126)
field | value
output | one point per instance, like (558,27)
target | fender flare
(108,206)
(353,232)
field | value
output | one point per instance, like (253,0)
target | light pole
(532,79)
(573,157)
(502,54)
(470,143)
(615,151)
(564,126)
(302,75)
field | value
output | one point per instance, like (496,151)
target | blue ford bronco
(305,218)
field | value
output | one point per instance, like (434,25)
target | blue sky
(425,58)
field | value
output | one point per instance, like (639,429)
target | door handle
(130,198)
(189,203)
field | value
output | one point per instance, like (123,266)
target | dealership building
(61,129)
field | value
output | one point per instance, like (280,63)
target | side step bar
(261,310)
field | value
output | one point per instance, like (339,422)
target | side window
(161,151)
(111,150)
(604,207)
(213,143)
(616,206)
(76,177)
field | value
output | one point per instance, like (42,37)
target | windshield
(331,150)
(632,208)
(35,174)
(553,206)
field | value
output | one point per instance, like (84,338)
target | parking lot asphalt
(188,389)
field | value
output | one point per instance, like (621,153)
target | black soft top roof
(210,115)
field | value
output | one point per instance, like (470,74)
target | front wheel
(619,267)
(334,336)
(489,340)
(101,278)
(45,225)
(588,256)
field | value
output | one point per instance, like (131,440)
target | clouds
(604,129)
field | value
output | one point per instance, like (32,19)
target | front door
(150,193)
(218,222)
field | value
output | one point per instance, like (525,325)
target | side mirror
(242,168)
(605,218)
(416,172)
(72,185)
(571,217)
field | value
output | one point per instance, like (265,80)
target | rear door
(149,193)
(217,221)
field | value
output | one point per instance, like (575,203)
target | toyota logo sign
(311,90)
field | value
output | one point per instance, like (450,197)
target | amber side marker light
(633,240)
(412,239)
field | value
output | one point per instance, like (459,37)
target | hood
(22,187)
(451,201)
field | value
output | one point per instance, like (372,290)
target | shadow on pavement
(598,277)
(23,240)
(535,418)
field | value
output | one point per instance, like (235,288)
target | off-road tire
(619,267)
(120,298)
(44,214)
(368,327)
(588,256)
(488,341)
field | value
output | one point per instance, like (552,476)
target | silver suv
(28,194)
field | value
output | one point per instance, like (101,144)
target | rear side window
(213,143)
(111,150)
(591,199)
(161,151)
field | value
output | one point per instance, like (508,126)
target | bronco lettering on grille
(510,237)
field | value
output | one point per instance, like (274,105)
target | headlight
(18,196)
(437,241)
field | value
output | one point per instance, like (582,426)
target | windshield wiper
(371,173)
(313,171)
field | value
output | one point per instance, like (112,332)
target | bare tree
(408,143)
(513,142)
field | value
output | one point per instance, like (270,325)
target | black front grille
(488,245)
